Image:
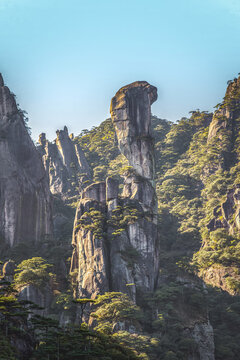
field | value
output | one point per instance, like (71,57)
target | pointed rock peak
(1,80)
(62,134)
(232,97)
(233,84)
(42,139)
(8,104)
(228,111)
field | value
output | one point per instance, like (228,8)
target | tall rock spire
(131,116)
(25,200)
(115,237)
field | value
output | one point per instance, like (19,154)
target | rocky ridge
(65,163)
(223,136)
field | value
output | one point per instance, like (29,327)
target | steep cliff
(222,238)
(65,163)
(115,237)
(25,200)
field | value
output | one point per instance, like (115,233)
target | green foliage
(113,311)
(33,271)
(76,342)
(13,323)
(131,256)
(94,221)
(82,303)
(145,347)
(224,313)
(6,349)
(123,216)
(100,146)
(114,307)
(44,338)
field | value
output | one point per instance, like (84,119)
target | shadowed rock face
(25,200)
(65,164)
(124,255)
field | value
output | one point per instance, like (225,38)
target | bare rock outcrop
(222,276)
(65,164)
(204,336)
(131,116)
(25,199)
(115,237)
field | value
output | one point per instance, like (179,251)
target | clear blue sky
(65,59)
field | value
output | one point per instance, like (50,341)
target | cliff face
(25,199)
(224,224)
(65,164)
(115,237)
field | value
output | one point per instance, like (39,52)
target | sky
(66,59)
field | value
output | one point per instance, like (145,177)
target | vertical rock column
(90,259)
(134,253)
(115,237)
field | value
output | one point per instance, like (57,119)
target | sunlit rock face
(131,115)
(25,200)
(65,164)
(8,270)
(90,258)
(123,256)
(228,113)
